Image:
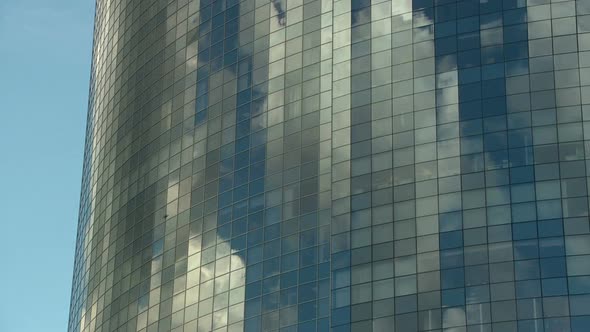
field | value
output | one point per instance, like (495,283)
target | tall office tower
(336,165)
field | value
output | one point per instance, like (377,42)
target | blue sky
(45,51)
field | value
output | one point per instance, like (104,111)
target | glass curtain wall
(336,165)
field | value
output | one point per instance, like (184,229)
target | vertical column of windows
(341,155)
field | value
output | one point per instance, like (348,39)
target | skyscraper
(350,165)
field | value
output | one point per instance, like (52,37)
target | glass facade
(336,165)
